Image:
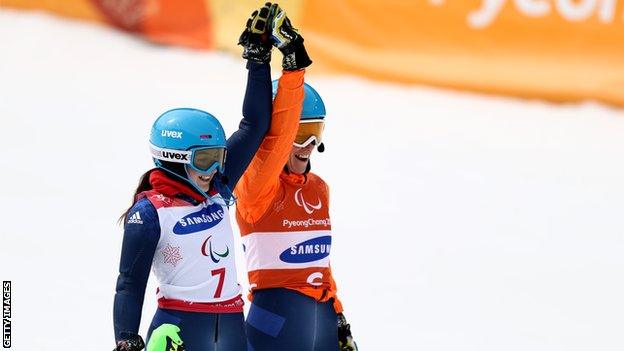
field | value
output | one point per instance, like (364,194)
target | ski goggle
(203,160)
(309,131)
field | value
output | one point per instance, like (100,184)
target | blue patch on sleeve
(265,321)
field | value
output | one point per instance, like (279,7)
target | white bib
(194,260)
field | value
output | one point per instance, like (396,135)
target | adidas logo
(135,218)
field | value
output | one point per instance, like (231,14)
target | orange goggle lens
(309,132)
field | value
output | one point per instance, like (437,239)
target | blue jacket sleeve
(257,108)
(141,235)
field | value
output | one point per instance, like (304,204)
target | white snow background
(460,221)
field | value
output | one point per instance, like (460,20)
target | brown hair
(144,185)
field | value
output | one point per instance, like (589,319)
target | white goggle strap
(307,142)
(171,155)
(315,120)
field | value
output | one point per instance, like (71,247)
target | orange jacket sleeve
(260,182)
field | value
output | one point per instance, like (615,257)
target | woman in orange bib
(285,223)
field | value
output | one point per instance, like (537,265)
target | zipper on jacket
(316,304)
(216,337)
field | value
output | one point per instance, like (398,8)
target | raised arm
(139,244)
(261,180)
(242,145)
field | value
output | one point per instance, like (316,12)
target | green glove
(166,335)
(255,38)
(345,339)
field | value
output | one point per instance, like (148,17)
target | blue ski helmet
(313,106)
(187,128)
(188,137)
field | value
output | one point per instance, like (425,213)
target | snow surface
(461,221)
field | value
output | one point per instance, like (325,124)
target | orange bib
(289,246)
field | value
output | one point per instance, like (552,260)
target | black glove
(130,342)
(255,39)
(288,41)
(345,340)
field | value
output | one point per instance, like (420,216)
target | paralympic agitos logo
(203,219)
(214,256)
(307,206)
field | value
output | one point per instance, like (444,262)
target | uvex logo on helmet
(308,207)
(170,155)
(171,134)
(203,219)
(175,155)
